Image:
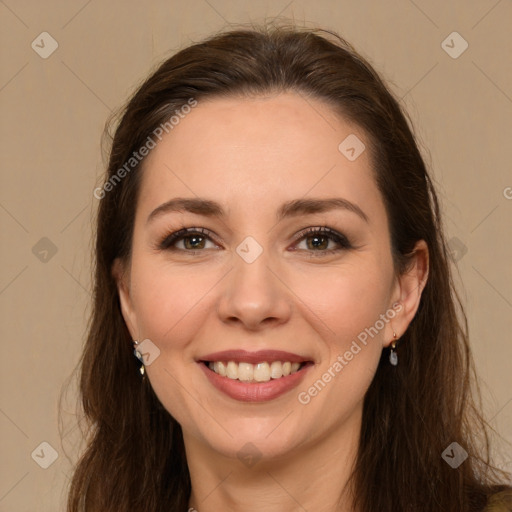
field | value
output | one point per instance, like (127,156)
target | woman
(270,248)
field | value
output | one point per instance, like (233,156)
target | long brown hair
(134,458)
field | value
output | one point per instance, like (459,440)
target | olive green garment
(500,502)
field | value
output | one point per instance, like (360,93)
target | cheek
(345,307)
(171,304)
(343,301)
(168,298)
(346,311)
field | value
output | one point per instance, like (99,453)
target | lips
(243,356)
(254,389)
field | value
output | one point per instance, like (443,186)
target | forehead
(255,151)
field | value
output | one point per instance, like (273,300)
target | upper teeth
(260,372)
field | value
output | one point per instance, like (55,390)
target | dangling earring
(138,355)
(393,357)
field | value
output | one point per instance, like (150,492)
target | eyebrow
(292,208)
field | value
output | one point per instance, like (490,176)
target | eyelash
(169,240)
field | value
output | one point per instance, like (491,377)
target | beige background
(53,112)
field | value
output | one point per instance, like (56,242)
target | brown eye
(194,242)
(323,241)
(191,239)
(318,242)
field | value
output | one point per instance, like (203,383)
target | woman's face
(250,279)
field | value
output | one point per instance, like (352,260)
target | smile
(254,376)
(260,372)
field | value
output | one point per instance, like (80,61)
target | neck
(313,476)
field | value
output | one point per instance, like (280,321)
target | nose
(254,296)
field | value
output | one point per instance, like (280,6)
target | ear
(121,275)
(408,289)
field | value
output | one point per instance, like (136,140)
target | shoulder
(500,502)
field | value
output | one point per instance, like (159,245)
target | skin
(252,155)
